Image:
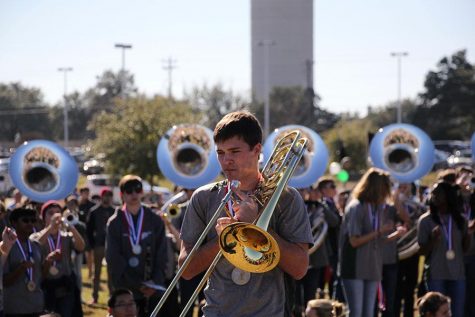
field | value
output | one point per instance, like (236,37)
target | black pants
(406,285)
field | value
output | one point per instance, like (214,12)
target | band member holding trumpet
(136,247)
(231,291)
(58,239)
(22,270)
(443,237)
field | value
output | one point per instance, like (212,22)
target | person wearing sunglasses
(136,247)
(23,268)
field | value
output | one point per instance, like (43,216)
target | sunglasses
(331,186)
(129,189)
(28,220)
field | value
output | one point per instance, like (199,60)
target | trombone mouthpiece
(235,184)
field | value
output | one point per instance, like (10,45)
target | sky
(209,42)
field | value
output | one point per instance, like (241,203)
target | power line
(23,111)
(169,66)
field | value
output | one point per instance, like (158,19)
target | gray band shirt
(119,252)
(439,267)
(366,261)
(17,298)
(264,294)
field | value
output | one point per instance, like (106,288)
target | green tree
(78,118)
(109,87)
(447,110)
(295,105)
(22,112)
(214,102)
(129,136)
(355,144)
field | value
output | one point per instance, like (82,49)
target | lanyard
(135,233)
(447,232)
(229,204)
(30,255)
(467,210)
(52,247)
(373,217)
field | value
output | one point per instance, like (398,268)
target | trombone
(254,256)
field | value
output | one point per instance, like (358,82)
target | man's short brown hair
(324,181)
(239,123)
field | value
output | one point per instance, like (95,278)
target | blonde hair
(373,187)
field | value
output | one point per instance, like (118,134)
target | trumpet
(70,218)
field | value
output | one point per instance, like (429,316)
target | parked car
(93,166)
(97,182)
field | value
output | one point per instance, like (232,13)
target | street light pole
(266,44)
(123,47)
(65,71)
(399,55)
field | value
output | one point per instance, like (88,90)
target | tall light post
(65,71)
(399,55)
(266,44)
(123,47)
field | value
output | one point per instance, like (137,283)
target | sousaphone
(186,156)
(43,170)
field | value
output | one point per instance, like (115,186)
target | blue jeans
(455,289)
(361,295)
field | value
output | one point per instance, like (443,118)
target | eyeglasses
(130,189)
(333,186)
(126,305)
(28,220)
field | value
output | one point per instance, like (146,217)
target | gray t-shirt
(439,267)
(264,294)
(64,265)
(18,299)
(366,261)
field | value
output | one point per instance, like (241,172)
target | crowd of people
(357,271)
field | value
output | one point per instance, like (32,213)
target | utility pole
(266,44)
(65,71)
(123,47)
(399,55)
(169,67)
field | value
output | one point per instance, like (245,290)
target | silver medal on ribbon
(240,277)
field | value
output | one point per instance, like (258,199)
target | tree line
(118,120)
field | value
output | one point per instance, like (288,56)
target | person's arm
(201,260)
(78,241)
(42,235)
(18,272)
(293,257)
(357,241)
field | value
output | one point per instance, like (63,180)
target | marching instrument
(43,170)
(172,207)
(404,150)
(319,233)
(315,158)
(186,156)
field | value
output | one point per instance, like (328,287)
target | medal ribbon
(51,245)
(230,204)
(135,233)
(30,255)
(448,232)
(373,217)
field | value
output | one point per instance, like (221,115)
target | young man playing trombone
(230,290)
